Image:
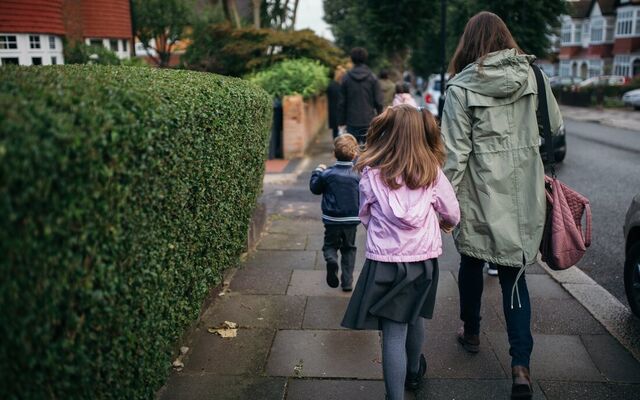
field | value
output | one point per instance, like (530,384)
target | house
(600,37)
(34,32)
(626,47)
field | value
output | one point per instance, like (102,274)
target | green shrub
(304,77)
(124,193)
(81,53)
(225,50)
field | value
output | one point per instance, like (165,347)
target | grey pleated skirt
(399,291)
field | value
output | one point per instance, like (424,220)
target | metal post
(443,54)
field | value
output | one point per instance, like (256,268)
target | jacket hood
(503,74)
(360,72)
(404,207)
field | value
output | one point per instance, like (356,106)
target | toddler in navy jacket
(338,186)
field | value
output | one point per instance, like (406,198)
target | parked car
(604,80)
(632,98)
(632,251)
(559,146)
(432,93)
(558,81)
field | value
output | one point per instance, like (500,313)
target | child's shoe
(470,343)
(413,381)
(332,274)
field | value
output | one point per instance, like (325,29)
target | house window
(34,41)
(585,31)
(52,42)
(565,68)
(578,33)
(96,42)
(624,23)
(113,44)
(36,60)
(54,60)
(124,46)
(597,30)
(566,33)
(9,61)
(595,68)
(8,42)
(637,22)
(621,65)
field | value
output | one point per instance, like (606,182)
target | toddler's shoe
(332,274)
(347,288)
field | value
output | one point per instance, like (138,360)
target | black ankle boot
(413,381)
(521,388)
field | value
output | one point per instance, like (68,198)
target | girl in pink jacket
(405,200)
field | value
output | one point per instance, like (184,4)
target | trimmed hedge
(124,192)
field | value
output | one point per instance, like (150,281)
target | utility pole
(443,54)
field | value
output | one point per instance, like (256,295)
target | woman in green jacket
(491,134)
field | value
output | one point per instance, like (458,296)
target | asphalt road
(603,163)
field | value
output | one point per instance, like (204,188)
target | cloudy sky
(310,15)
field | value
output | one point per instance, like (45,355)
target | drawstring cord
(515,287)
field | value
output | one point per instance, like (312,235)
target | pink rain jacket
(403,224)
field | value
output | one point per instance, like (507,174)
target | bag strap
(544,115)
(587,238)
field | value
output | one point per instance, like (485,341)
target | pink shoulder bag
(563,240)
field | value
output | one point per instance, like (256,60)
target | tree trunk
(398,59)
(256,13)
(231,12)
(293,15)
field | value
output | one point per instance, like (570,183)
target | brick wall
(302,120)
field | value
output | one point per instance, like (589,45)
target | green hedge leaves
(299,76)
(124,193)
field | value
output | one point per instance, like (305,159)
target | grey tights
(401,348)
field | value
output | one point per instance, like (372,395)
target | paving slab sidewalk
(290,345)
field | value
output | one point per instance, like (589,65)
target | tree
(387,26)
(159,24)
(229,51)
(530,22)
(402,30)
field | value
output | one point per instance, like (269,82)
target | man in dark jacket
(338,186)
(361,98)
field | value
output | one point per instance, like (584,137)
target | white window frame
(7,41)
(34,42)
(622,65)
(52,42)
(595,68)
(567,29)
(598,30)
(565,68)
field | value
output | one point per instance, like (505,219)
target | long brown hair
(404,143)
(485,33)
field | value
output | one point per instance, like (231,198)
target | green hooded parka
(492,139)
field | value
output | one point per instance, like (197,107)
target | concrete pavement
(289,344)
(625,118)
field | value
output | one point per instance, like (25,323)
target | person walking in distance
(388,88)
(404,200)
(333,96)
(491,134)
(361,98)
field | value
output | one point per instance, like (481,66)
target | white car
(432,93)
(605,80)
(632,98)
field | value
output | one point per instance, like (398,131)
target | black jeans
(343,238)
(360,132)
(335,131)
(518,317)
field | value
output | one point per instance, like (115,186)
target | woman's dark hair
(403,87)
(384,74)
(485,33)
(359,55)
